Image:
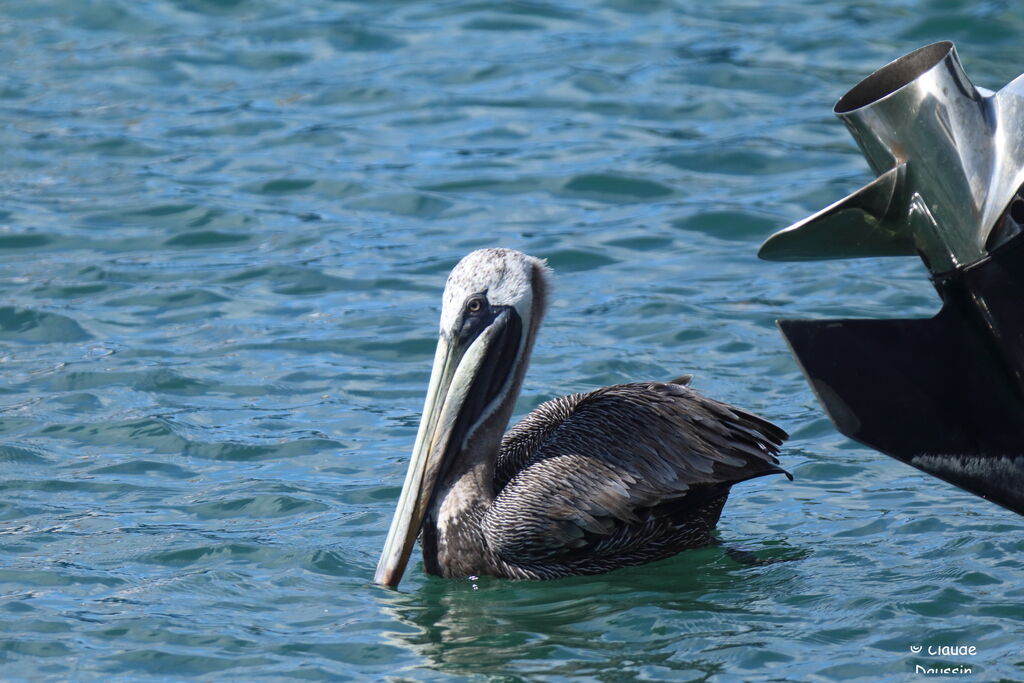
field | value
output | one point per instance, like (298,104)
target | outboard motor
(944,394)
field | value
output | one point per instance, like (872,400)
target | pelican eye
(477,314)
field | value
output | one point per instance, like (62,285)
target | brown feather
(622,475)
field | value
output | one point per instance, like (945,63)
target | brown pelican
(586,483)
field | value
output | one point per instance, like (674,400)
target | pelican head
(493,302)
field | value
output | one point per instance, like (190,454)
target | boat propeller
(943,394)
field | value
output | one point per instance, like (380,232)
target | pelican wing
(628,471)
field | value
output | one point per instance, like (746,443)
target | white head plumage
(505,276)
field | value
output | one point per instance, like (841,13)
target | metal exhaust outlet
(944,394)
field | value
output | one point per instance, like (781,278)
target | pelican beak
(470,372)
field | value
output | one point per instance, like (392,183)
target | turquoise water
(224,232)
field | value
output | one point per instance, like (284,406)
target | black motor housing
(944,394)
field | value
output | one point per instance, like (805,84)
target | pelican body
(586,483)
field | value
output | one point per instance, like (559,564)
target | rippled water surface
(224,232)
